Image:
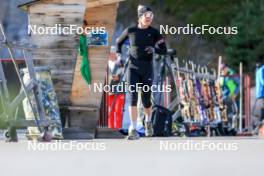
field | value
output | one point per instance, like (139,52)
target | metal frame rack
(9,115)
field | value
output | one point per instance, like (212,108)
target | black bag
(162,121)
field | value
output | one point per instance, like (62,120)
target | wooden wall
(70,87)
(49,13)
(98,56)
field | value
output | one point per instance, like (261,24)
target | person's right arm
(121,40)
(119,43)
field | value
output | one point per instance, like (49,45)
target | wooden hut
(59,52)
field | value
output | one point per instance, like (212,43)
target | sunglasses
(148,15)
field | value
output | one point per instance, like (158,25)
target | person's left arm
(160,46)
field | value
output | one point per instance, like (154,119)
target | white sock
(133,125)
(147,118)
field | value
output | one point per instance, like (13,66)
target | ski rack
(10,107)
(193,73)
(190,71)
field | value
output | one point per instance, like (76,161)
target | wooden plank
(54,41)
(66,1)
(86,101)
(96,13)
(98,75)
(62,64)
(84,119)
(62,15)
(54,55)
(98,60)
(41,19)
(62,84)
(99,3)
(88,95)
(56,7)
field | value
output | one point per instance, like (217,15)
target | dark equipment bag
(161,120)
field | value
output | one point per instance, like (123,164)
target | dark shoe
(133,135)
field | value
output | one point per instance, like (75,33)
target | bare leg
(133,112)
(148,125)
(132,132)
(147,112)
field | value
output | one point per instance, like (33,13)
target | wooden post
(247,101)
(219,66)
(241,97)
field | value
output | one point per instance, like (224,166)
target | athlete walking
(144,42)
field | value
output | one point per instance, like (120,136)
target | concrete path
(154,156)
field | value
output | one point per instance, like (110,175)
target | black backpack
(161,120)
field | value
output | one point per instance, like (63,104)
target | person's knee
(146,103)
(147,111)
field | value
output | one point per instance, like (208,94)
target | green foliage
(200,12)
(248,45)
(248,15)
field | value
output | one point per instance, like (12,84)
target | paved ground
(235,156)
